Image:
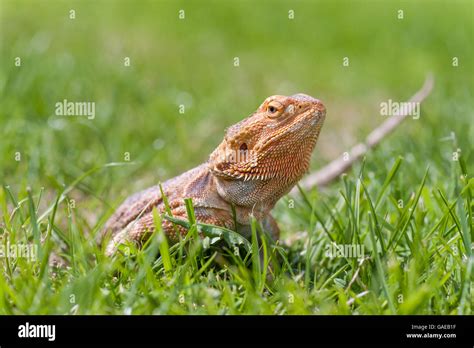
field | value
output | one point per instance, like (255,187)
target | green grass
(408,204)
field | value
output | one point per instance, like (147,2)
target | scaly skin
(260,159)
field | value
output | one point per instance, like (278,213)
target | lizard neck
(262,194)
(258,195)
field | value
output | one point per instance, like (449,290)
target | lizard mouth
(307,124)
(313,118)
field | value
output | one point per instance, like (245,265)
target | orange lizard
(260,159)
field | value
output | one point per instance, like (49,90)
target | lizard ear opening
(233,162)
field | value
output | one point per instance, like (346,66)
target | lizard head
(268,152)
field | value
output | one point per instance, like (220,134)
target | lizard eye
(274,109)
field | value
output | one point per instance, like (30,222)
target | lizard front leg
(270,225)
(140,230)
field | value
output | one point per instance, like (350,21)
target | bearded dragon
(260,159)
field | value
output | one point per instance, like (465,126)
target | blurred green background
(190,61)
